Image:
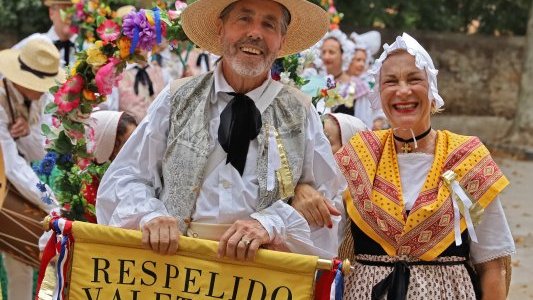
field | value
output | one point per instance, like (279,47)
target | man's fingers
(224,241)
(164,239)
(154,239)
(332,209)
(174,239)
(146,238)
(242,246)
(231,247)
(252,249)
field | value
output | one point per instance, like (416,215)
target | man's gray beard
(248,69)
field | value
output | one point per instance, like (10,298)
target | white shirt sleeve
(18,171)
(129,191)
(319,170)
(493,234)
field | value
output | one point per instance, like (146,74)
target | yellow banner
(110,263)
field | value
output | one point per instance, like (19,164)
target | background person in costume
(411,240)
(336,53)
(157,181)
(60,33)
(26,74)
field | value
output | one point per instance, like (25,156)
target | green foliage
(494,16)
(23,17)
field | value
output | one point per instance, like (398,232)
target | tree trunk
(522,129)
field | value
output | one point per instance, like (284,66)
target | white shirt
(18,171)
(128,194)
(493,233)
(52,36)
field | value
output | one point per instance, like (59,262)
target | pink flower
(83,163)
(56,122)
(108,31)
(173,14)
(180,5)
(107,77)
(74,84)
(64,102)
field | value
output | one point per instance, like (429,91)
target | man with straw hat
(25,75)
(219,154)
(60,33)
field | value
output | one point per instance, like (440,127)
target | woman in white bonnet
(411,240)
(336,52)
(111,131)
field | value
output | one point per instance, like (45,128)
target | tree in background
(489,16)
(522,130)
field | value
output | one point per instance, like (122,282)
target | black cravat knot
(240,123)
(143,78)
(203,57)
(66,46)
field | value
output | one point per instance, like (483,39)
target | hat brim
(52,2)
(11,69)
(309,23)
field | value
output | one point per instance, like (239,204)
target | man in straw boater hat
(25,75)
(60,33)
(219,154)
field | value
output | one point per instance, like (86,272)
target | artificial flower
(95,57)
(74,84)
(124,45)
(88,95)
(64,104)
(180,5)
(136,26)
(108,31)
(107,77)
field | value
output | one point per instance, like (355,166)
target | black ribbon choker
(240,123)
(406,148)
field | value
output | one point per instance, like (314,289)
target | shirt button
(226,184)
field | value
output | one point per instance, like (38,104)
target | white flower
(285,77)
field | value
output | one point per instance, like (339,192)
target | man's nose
(255,31)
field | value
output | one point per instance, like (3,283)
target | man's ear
(220,27)
(282,44)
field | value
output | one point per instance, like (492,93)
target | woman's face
(333,133)
(331,55)
(358,64)
(121,140)
(404,93)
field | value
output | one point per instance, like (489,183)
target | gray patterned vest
(188,143)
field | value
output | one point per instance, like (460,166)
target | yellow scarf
(375,202)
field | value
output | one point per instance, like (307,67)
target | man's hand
(313,206)
(161,234)
(242,240)
(19,128)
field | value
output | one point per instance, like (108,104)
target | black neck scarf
(240,123)
(66,46)
(143,78)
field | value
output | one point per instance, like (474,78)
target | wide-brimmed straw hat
(35,66)
(309,23)
(52,2)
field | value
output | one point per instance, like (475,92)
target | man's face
(62,27)
(251,36)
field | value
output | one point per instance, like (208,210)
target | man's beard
(246,67)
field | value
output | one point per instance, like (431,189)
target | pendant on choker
(406,148)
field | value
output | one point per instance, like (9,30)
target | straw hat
(61,2)
(124,10)
(309,23)
(35,66)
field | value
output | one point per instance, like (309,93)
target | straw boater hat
(52,2)
(308,24)
(35,66)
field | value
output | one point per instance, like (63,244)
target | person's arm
(18,171)
(284,224)
(129,191)
(491,254)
